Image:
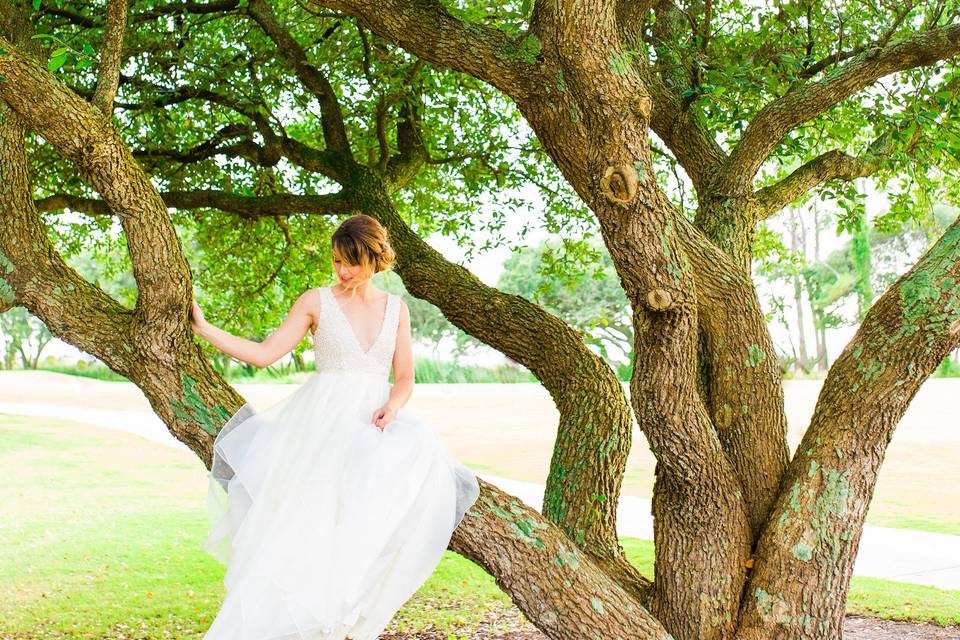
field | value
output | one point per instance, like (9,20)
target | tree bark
(806,554)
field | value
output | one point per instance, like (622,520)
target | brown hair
(362,240)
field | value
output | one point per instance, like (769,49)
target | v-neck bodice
(335,344)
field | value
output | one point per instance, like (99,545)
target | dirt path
(859,628)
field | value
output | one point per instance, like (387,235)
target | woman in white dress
(333,506)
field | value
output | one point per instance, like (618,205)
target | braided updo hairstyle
(362,240)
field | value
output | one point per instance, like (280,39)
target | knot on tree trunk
(619,184)
(659,299)
(644,105)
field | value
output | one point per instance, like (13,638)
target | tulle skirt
(327,524)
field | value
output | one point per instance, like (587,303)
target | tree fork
(589,397)
(806,554)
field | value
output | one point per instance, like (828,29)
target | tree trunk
(797,245)
(806,554)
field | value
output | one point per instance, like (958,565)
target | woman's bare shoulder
(311,298)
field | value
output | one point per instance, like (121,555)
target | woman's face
(348,274)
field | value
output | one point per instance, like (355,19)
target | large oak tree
(336,107)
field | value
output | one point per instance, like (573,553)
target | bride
(333,506)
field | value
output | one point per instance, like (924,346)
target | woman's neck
(365,292)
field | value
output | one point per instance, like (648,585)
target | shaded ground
(510,625)
(858,628)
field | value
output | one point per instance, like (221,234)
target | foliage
(249,269)
(22,335)
(593,303)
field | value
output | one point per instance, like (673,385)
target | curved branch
(111,56)
(684,133)
(832,165)
(426,29)
(589,397)
(680,128)
(90,140)
(412,154)
(334,132)
(550,580)
(33,275)
(283,204)
(780,116)
(836,165)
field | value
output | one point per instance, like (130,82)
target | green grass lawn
(100,536)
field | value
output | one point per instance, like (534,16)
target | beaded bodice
(335,345)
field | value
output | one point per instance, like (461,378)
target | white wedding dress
(327,524)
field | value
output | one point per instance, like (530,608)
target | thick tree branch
(741,379)
(832,165)
(334,132)
(782,115)
(684,132)
(836,165)
(33,275)
(111,56)
(331,164)
(681,128)
(587,393)
(91,141)
(526,554)
(630,17)
(573,27)
(283,204)
(412,153)
(698,498)
(426,29)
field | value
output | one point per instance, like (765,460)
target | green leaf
(88,50)
(56,63)
(36,5)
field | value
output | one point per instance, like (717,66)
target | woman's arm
(402,362)
(402,373)
(276,345)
